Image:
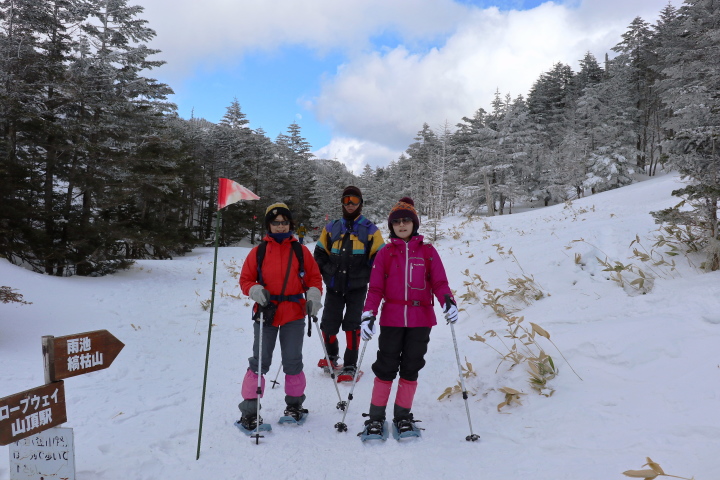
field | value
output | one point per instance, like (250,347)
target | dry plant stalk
(233,268)
(651,473)
(511,395)
(656,264)
(467,372)
(522,346)
(8,295)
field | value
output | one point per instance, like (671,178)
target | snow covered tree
(299,173)
(549,100)
(637,56)
(690,89)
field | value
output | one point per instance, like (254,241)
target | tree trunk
(489,198)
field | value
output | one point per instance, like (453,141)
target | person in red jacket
(277,288)
(406,274)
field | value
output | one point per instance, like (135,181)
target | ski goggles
(351,200)
(398,221)
(277,223)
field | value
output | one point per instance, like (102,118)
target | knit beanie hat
(352,190)
(274,210)
(404,208)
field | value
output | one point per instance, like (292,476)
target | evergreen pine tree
(691,84)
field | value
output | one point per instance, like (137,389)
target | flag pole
(228,192)
(207,352)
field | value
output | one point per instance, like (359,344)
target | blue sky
(362,76)
(269,87)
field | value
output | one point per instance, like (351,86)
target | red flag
(230,192)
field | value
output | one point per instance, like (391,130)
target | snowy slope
(649,363)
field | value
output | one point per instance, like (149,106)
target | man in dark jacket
(345,252)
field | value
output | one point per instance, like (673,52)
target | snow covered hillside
(649,363)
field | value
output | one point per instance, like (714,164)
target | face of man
(351,203)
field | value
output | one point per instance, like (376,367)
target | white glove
(451,312)
(367,328)
(258,294)
(313,301)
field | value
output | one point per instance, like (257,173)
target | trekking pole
(472,437)
(275,382)
(341,426)
(257,435)
(340,405)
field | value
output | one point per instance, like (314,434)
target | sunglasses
(398,221)
(351,200)
(277,223)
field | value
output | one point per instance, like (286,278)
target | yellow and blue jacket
(345,253)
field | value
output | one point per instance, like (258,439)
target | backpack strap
(411,303)
(301,263)
(260,257)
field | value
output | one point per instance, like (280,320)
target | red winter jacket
(406,276)
(274,267)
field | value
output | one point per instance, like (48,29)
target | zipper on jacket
(407,278)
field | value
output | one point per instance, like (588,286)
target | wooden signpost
(32,411)
(28,413)
(73,355)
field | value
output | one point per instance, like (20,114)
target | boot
(295,411)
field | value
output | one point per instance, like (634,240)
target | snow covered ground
(649,363)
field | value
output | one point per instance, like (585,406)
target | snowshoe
(405,428)
(374,430)
(333,361)
(347,374)
(249,425)
(294,414)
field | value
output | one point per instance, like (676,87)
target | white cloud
(378,100)
(384,98)
(213,32)
(355,153)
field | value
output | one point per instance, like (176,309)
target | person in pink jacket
(406,274)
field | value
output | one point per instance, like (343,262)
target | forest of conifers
(97,169)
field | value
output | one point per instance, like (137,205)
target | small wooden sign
(74,355)
(32,411)
(45,455)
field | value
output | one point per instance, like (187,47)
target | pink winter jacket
(405,276)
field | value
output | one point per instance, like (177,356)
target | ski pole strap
(410,303)
(311,319)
